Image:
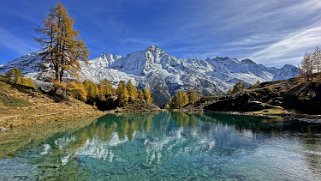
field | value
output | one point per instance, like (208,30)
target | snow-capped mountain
(166,74)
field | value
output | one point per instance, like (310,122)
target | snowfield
(165,74)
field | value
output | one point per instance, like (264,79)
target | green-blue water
(174,146)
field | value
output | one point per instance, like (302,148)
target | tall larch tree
(192,96)
(105,89)
(316,61)
(91,89)
(306,67)
(179,100)
(122,93)
(132,91)
(62,48)
(147,95)
(141,94)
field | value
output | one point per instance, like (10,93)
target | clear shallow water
(173,146)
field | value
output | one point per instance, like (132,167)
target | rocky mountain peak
(165,74)
(248,61)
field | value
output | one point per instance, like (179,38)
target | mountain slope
(166,74)
(293,95)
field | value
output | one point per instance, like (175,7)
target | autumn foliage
(182,98)
(62,47)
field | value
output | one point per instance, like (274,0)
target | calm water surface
(173,146)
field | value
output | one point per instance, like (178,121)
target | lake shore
(278,114)
(18,138)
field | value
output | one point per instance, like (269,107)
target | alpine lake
(172,146)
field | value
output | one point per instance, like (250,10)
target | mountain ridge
(165,74)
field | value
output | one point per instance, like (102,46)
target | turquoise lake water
(173,146)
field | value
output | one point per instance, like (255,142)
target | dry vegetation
(34,108)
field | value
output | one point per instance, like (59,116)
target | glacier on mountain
(165,74)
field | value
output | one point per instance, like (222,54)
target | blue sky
(272,32)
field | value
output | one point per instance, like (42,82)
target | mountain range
(165,74)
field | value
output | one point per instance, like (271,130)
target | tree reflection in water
(130,145)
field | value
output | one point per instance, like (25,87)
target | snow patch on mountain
(165,74)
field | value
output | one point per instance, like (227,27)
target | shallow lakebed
(173,146)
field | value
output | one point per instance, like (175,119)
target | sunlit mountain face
(163,73)
(176,145)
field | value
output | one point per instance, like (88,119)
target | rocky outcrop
(138,106)
(240,102)
(293,94)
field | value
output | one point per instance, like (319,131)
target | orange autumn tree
(61,44)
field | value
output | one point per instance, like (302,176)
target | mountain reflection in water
(177,146)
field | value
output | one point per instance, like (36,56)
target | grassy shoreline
(18,108)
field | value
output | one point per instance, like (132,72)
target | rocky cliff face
(165,74)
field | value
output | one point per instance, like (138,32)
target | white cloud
(291,48)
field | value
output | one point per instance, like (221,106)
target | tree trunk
(61,75)
(57,73)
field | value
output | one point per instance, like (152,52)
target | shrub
(78,91)
(238,87)
(13,75)
(10,101)
(28,82)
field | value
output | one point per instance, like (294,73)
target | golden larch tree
(192,96)
(147,95)
(122,93)
(132,91)
(179,100)
(62,48)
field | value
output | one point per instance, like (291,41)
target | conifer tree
(179,100)
(13,75)
(122,93)
(192,96)
(91,90)
(141,94)
(105,89)
(109,88)
(101,90)
(306,67)
(147,95)
(316,59)
(132,91)
(61,45)
(238,87)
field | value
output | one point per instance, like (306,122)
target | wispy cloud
(14,43)
(291,48)
(270,32)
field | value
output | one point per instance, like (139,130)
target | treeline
(104,94)
(182,98)
(87,91)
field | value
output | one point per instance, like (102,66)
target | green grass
(12,101)
(272,111)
